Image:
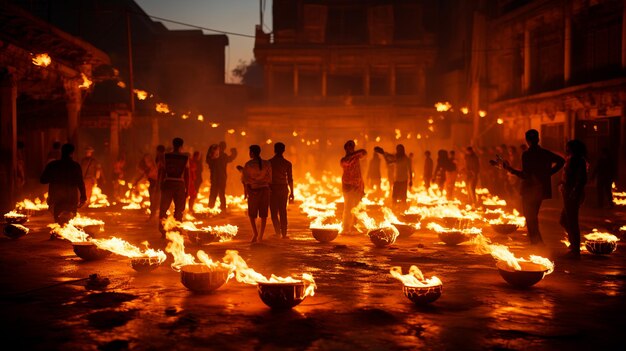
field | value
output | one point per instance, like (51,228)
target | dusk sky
(238,16)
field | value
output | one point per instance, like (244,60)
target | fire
(28,205)
(502,253)
(213,265)
(42,60)
(439,229)
(200,118)
(247,275)
(482,113)
(225,232)
(500,121)
(414,278)
(176,247)
(162,108)
(443,106)
(215,125)
(14,214)
(464,110)
(141,94)
(98,199)
(69,232)
(87,83)
(124,248)
(595,235)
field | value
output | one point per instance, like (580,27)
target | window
(346,25)
(341,84)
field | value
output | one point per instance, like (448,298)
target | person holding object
(404,173)
(65,179)
(572,189)
(351,183)
(175,183)
(538,166)
(257,177)
(218,162)
(281,190)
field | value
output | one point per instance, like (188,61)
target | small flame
(443,106)
(141,95)
(162,107)
(464,110)
(124,248)
(87,83)
(42,60)
(69,232)
(502,253)
(414,278)
(595,235)
(482,113)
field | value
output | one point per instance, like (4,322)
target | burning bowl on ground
(453,237)
(422,295)
(600,243)
(88,251)
(93,229)
(324,235)
(15,218)
(530,274)
(282,295)
(411,217)
(15,231)
(145,263)
(201,278)
(404,230)
(383,237)
(504,228)
(202,237)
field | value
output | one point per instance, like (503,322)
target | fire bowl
(15,231)
(491,215)
(202,237)
(324,235)
(382,237)
(201,279)
(453,237)
(89,251)
(530,274)
(281,296)
(411,217)
(145,264)
(600,247)
(93,230)
(404,230)
(16,219)
(504,229)
(422,295)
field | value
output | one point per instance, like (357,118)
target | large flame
(503,254)
(124,248)
(176,247)
(69,232)
(414,278)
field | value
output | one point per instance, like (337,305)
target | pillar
(567,44)
(527,52)
(8,139)
(392,80)
(296,82)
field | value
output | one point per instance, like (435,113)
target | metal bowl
(324,235)
(89,251)
(15,231)
(281,296)
(491,215)
(411,217)
(404,230)
(453,238)
(422,295)
(530,274)
(15,220)
(201,279)
(504,229)
(202,237)
(381,237)
(600,247)
(145,263)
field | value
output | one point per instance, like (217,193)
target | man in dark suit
(538,166)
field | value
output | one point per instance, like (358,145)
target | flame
(443,106)
(215,125)
(162,108)
(502,253)
(439,229)
(231,131)
(482,113)
(42,60)
(69,232)
(225,232)
(87,83)
(80,221)
(464,110)
(124,248)
(414,278)
(28,205)
(176,247)
(121,84)
(595,235)
(14,214)
(200,118)
(500,121)
(141,94)
(98,199)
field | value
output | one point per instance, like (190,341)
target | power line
(195,26)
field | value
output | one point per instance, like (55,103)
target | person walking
(257,177)
(218,165)
(148,169)
(572,189)
(373,173)
(472,171)
(451,175)
(66,188)
(604,174)
(195,178)
(428,170)
(351,183)
(92,171)
(404,173)
(281,190)
(441,168)
(175,183)
(538,166)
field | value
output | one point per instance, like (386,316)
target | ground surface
(357,305)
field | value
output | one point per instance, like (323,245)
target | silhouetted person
(573,191)
(443,164)
(472,172)
(604,173)
(538,165)
(257,177)
(351,182)
(148,169)
(428,169)
(218,166)
(373,172)
(404,172)
(281,189)
(92,171)
(195,178)
(451,174)
(54,153)
(66,190)
(175,182)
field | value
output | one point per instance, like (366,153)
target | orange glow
(414,278)
(482,113)
(443,106)
(464,110)
(141,94)
(87,83)
(42,60)
(162,107)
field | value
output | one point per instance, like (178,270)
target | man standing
(175,182)
(351,182)
(218,166)
(472,170)
(373,173)
(91,171)
(428,169)
(404,173)
(538,165)
(281,190)
(65,179)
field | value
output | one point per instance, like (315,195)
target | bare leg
(254,230)
(263,222)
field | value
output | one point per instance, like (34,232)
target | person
(257,177)
(118,176)
(281,190)
(66,189)
(604,175)
(538,166)
(175,182)
(351,183)
(472,171)
(572,188)
(451,174)
(404,173)
(195,178)
(54,153)
(148,169)
(218,165)
(428,169)
(91,171)
(373,172)
(440,169)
